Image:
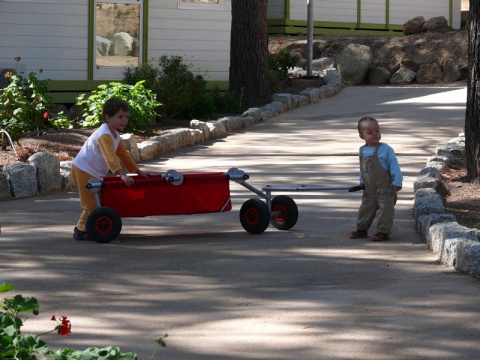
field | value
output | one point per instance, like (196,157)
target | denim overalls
(378,194)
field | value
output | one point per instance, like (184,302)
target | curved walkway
(220,293)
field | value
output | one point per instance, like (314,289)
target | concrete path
(221,293)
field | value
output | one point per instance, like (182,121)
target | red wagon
(174,193)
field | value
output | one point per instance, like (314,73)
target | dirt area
(461,198)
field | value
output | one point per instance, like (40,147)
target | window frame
(183,5)
(115,72)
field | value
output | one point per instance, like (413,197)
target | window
(201,4)
(118,37)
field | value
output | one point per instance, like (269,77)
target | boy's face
(370,132)
(118,121)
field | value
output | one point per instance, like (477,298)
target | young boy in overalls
(381,177)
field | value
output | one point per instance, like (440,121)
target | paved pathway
(221,293)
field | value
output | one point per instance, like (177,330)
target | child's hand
(127,179)
(142,174)
(396,188)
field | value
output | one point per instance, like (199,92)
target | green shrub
(184,95)
(142,105)
(24,104)
(17,346)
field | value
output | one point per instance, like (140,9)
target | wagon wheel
(287,212)
(104,224)
(254,216)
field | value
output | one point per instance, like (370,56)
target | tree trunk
(472,114)
(249,77)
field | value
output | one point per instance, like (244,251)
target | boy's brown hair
(114,105)
(362,120)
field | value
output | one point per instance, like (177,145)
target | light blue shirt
(387,159)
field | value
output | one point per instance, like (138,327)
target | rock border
(45,174)
(454,244)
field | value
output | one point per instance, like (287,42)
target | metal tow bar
(281,211)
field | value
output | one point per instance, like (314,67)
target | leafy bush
(142,105)
(24,104)
(280,62)
(183,94)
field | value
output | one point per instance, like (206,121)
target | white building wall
(202,37)
(53,35)
(276,9)
(373,12)
(336,11)
(403,10)
(48,36)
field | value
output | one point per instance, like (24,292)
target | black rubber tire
(103,225)
(288,212)
(254,216)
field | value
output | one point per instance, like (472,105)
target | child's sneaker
(358,234)
(380,237)
(79,234)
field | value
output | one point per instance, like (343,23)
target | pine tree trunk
(472,114)
(249,77)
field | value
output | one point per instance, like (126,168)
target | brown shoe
(358,234)
(380,237)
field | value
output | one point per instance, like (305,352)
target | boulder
(47,167)
(23,179)
(378,75)
(354,63)
(414,26)
(429,74)
(402,76)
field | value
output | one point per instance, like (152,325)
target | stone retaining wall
(455,245)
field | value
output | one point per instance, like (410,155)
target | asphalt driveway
(221,293)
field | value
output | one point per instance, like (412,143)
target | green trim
(66,91)
(91,38)
(451,13)
(387,14)
(287,9)
(359,13)
(145,32)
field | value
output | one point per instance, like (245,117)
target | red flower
(40,71)
(280,41)
(65,327)
(18,58)
(8,74)
(45,116)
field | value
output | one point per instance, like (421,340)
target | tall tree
(472,114)
(249,77)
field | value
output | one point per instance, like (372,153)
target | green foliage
(24,104)
(142,105)
(280,62)
(16,346)
(185,95)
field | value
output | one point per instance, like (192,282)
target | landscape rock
(47,168)
(23,179)
(429,74)
(414,26)
(354,63)
(402,76)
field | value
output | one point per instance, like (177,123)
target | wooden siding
(403,10)
(202,40)
(338,10)
(373,13)
(52,37)
(276,9)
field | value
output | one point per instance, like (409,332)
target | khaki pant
(379,196)
(87,198)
